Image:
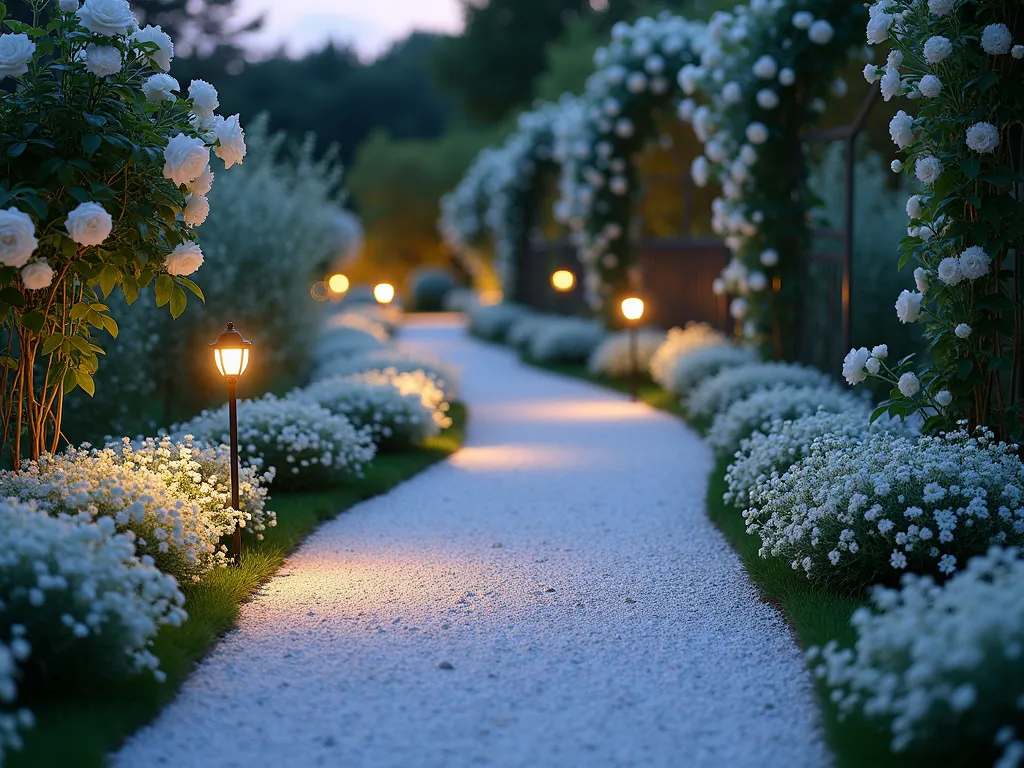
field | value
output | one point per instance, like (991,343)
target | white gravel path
(561,564)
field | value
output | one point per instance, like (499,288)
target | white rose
(732,93)
(160,87)
(949,271)
(765,68)
(770,258)
(895,58)
(840,88)
(974,263)
(909,385)
(871,73)
(873,366)
(996,39)
(69,6)
(89,224)
(185,158)
(204,97)
(106,17)
(901,129)
(802,20)
(618,185)
(37,275)
(203,184)
(878,28)
(944,398)
(787,76)
(738,308)
(891,83)
(930,86)
(636,82)
(623,129)
(160,58)
(718,286)
(1017,52)
(757,133)
(821,32)
(757,282)
(940,7)
(197,208)
(921,279)
(102,60)
(914,207)
(963,330)
(700,171)
(896,166)
(17,237)
(881,351)
(908,306)
(928,169)
(767,99)
(983,138)
(184,260)
(937,49)
(654,64)
(16,51)
(853,366)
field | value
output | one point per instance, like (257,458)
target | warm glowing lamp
(563,281)
(338,283)
(384,293)
(231,353)
(633,310)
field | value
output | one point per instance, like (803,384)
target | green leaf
(17,149)
(164,287)
(70,381)
(879,412)
(78,311)
(192,287)
(85,382)
(13,296)
(110,325)
(51,343)
(34,321)
(178,302)
(130,288)
(96,121)
(90,143)
(108,279)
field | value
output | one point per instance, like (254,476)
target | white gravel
(561,564)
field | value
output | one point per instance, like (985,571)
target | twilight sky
(370,24)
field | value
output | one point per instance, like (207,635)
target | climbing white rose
(930,86)
(203,184)
(914,207)
(37,275)
(821,32)
(963,330)
(185,158)
(770,257)
(996,39)
(921,279)
(197,208)
(767,99)
(944,398)
(949,271)
(106,17)
(16,51)
(102,60)
(983,138)
(69,6)
(901,129)
(909,385)
(160,58)
(732,93)
(802,20)
(871,73)
(937,49)
(891,84)
(17,238)
(757,133)
(974,263)
(89,224)
(159,88)
(624,128)
(757,282)
(738,308)
(880,352)
(204,97)
(928,169)
(766,68)
(1017,52)
(854,370)
(940,7)
(908,306)
(878,27)
(184,260)
(787,76)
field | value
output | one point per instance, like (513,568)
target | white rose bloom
(963,330)
(878,27)
(921,279)
(718,286)
(881,351)
(909,385)
(203,184)
(975,263)
(757,133)
(937,49)
(908,306)
(895,58)
(69,6)
(636,82)
(770,257)
(901,129)
(700,171)
(802,20)
(940,7)
(17,237)
(914,207)
(996,39)
(891,83)
(16,51)
(654,64)
(160,87)
(787,77)
(767,99)
(896,166)
(623,129)
(89,224)
(944,398)
(185,158)
(161,58)
(871,73)
(197,208)
(715,151)
(204,97)
(106,17)
(821,32)
(765,68)
(873,366)
(930,86)
(618,185)
(37,275)
(686,109)
(983,138)
(184,260)
(102,60)
(732,93)
(748,154)
(928,169)
(853,366)
(1017,52)
(757,282)
(738,308)
(949,271)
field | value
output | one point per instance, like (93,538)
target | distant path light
(563,281)
(384,293)
(633,308)
(338,283)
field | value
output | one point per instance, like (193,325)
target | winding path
(553,595)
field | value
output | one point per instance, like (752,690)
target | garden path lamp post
(231,353)
(384,293)
(563,281)
(633,311)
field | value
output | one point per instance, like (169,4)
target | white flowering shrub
(307,445)
(78,604)
(855,512)
(105,168)
(492,322)
(772,450)
(391,361)
(464,210)
(961,64)
(679,343)
(564,340)
(612,357)
(940,664)
(345,341)
(715,394)
(363,321)
(693,368)
(781,402)
(521,332)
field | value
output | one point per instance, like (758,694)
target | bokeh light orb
(633,308)
(338,283)
(384,293)
(563,280)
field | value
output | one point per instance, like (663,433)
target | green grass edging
(81,728)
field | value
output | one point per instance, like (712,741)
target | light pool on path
(561,564)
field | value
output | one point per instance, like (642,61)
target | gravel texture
(553,595)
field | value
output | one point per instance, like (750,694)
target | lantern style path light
(231,353)
(563,281)
(338,284)
(633,311)
(384,293)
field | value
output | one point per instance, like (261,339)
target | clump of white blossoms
(940,665)
(855,512)
(612,357)
(391,362)
(714,395)
(307,445)
(492,322)
(781,402)
(568,340)
(703,363)
(345,340)
(679,343)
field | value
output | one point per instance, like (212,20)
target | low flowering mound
(612,357)
(521,332)
(856,512)
(940,665)
(180,534)
(565,341)
(442,374)
(345,341)
(717,393)
(679,343)
(744,417)
(492,322)
(693,368)
(362,321)
(307,445)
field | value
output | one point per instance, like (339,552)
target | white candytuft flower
(996,40)
(89,224)
(928,169)
(106,17)
(37,275)
(17,237)
(975,263)
(184,260)
(908,306)
(909,385)
(16,51)
(937,49)
(983,138)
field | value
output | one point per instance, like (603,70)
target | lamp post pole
(236,535)
(632,362)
